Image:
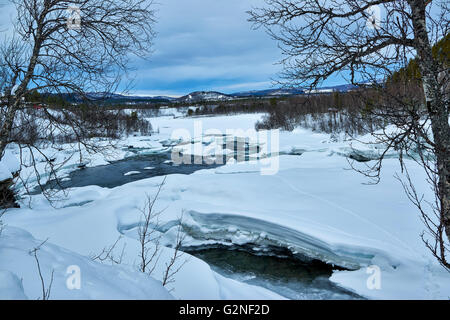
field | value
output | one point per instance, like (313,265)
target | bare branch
(46,291)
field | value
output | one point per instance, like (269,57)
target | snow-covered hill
(199,96)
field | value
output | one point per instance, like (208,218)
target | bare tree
(46,290)
(149,237)
(150,241)
(174,265)
(365,41)
(108,254)
(69,48)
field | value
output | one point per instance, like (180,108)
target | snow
(8,165)
(11,287)
(98,281)
(130,173)
(4,173)
(101,225)
(311,205)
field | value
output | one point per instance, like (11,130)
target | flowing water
(114,174)
(283,274)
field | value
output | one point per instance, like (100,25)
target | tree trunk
(6,128)
(15,99)
(437,108)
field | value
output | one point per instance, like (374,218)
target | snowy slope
(98,281)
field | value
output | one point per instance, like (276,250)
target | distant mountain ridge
(200,96)
(112,98)
(291,91)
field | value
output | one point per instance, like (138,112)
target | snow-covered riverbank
(312,206)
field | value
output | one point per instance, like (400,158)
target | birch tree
(72,47)
(365,41)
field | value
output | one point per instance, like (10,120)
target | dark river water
(113,174)
(285,275)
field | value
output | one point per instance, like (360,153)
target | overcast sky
(205,45)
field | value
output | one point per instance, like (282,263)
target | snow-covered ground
(309,204)
(8,165)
